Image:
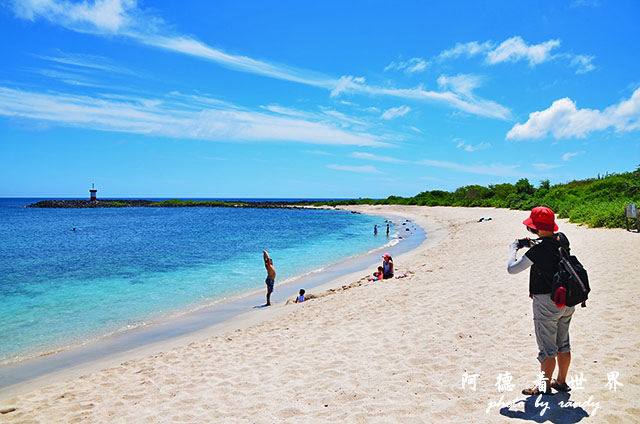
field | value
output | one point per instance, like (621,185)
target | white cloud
(583,63)
(124,18)
(347,83)
(544,166)
(466,49)
(100,16)
(461,83)
(493,169)
(569,155)
(395,112)
(193,47)
(515,49)
(166,117)
(70,78)
(81,70)
(281,110)
(367,169)
(319,152)
(86,62)
(480,146)
(376,158)
(470,148)
(196,101)
(336,117)
(466,102)
(585,3)
(563,120)
(418,66)
(415,64)
(342,117)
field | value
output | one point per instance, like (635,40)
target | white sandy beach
(383,352)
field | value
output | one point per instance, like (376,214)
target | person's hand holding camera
(520,243)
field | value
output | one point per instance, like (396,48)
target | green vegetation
(207,203)
(597,202)
(118,204)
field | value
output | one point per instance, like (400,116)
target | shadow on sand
(557,409)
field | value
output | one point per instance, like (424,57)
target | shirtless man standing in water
(271,275)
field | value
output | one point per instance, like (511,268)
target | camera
(524,242)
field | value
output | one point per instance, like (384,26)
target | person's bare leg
(547,367)
(269,298)
(564,360)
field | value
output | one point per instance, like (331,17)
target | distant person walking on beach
(551,322)
(387,266)
(271,276)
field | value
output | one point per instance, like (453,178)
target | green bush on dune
(209,203)
(597,202)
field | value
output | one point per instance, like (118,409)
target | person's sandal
(564,387)
(535,391)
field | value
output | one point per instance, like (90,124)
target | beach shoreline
(177,328)
(389,351)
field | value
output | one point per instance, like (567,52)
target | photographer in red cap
(550,321)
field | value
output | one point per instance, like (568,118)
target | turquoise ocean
(123,268)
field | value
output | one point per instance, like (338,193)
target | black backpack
(570,284)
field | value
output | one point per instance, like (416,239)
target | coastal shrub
(523,186)
(192,203)
(172,202)
(600,214)
(597,202)
(562,209)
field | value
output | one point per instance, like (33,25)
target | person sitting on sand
(271,276)
(300,297)
(377,275)
(387,266)
(551,323)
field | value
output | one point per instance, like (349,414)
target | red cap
(541,218)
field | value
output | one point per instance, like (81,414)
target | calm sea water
(125,267)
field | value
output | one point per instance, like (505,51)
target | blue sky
(313,99)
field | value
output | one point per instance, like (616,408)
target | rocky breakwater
(90,203)
(175,203)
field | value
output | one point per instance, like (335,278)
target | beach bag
(571,283)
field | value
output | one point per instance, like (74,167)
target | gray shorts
(552,326)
